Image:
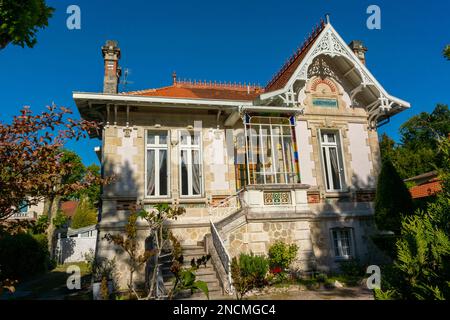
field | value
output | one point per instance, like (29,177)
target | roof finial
(327,18)
(174,77)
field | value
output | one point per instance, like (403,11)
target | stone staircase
(204,273)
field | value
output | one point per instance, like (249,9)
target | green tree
(392,199)
(418,151)
(447,51)
(85,215)
(93,191)
(21,20)
(422,266)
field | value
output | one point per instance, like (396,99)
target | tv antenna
(125,81)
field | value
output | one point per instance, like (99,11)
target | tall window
(270,151)
(190,163)
(157,164)
(332,160)
(343,243)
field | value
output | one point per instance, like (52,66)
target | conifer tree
(392,199)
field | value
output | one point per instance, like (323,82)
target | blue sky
(223,41)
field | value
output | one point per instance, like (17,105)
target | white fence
(74,249)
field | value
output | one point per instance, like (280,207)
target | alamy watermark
(374,20)
(73,21)
(74,279)
(374,280)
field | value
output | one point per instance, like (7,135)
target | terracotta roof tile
(203,90)
(425,190)
(282,77)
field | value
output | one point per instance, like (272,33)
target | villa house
(296,160)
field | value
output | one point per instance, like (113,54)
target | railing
(24,215)
(222,253)
(226,207)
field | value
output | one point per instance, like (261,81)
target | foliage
(241,284)
(20,21)
(386,243)
(81,173)
(254,267)
(281,255)
(103,269)
(385,295)
(160,242)
(447,51)
(249,271)
(85,215)
(41,224)
(61,220)
(31,166)
(351,268)
(418,152)
(392,199)
(23,255)
(422,266)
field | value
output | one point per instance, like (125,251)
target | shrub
(351,268)
(281,255)
(41,224)
(392,199)
(24,255)
(247,272)
(254,267)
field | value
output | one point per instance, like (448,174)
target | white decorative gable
(330,43)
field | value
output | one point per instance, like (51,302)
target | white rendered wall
(360,152)
(303,136)
(215,155)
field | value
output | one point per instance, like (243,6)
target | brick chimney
(111,56)
(358,48)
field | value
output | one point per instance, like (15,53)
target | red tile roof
(426,189)
(280,79)
(69,208)
(204,90)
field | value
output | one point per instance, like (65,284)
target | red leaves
(30,151)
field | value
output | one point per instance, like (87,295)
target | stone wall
(257,237)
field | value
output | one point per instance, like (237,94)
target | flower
(276,270)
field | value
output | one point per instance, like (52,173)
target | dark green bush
(351,268)
(23,255)
(392,199)
(254,267)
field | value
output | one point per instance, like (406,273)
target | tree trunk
(52,211)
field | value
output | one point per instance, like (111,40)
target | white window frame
(288,175)
(340,153)
(189,147)
(352,247)
(157,147)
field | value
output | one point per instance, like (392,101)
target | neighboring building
(31,212)
(425,185)
(296,160)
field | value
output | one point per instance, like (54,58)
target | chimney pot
(359,49)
